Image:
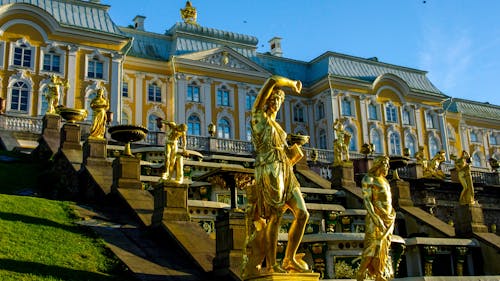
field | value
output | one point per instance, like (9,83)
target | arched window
(45,104)
(194,125)
(19,97)
(249,131)
(224,129)
(377,141)
(410,144)
(353,142)
(476,160)
(322,139)
(154,92)
(298,113)
(433,146)
(152,127)
(394,144)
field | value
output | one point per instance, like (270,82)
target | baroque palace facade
(199,76)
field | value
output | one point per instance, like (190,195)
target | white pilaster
(180,97)
(206,95)
(71,75)
(115,98)
(420,128)
(138,97)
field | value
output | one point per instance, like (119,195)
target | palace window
(19,97)
(493,139)
(430,120)
(152,123)
(391,113)
(125,118)
(320,110)
(346,105)
(125,89)
(407,120)
(434,146)
(372,112)
(249,131)
(322,139)
(52,62)
(95,69)
(476,160)
(394,144)
(410,144)
(298,113)
(193,92)
(22,55)
(353,141)
(224,129)
(249,100)
(474,137)
(376,141)
(223,96)
(154,92)
(194,125)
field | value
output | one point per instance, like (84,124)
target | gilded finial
(188,14)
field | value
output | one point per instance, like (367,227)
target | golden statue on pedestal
(462,166)
(432,167)
(100,106)
(53,93)
(341,143)
(379,222)
(174,161)
(276,188)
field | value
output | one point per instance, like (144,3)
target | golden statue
(189,14)
(53,92)
(174,161)
(100,106)
(419,155)
(341,143)
(276,188)
(431,168)
(462,166)
(379,222)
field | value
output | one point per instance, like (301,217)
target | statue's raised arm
(268,87)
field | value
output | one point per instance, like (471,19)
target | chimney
(275,46)
(139,22)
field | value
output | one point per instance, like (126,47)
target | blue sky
(456,41)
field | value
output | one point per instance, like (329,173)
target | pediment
(224,57)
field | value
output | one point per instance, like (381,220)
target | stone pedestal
(127,172)
(230,239)
(285,277)
(469,219)
(343,175)
(416,170)
(94,151)
(363,165)
(171,202)
(401,195)
(70,136)
(51,132)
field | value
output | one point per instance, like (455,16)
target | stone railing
(21,124)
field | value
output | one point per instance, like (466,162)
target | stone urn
(397,162)
(127,134)
(71,115)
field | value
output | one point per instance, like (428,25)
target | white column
(180,98)
(115,99)
(242,92)
(420,128)
(444,133)
(206,96)
(287,116)
(464,135)
(138,97)
(364,119)
(71,75)
(310,121)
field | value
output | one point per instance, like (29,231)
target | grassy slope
(39,241)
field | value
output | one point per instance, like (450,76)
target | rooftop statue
(462,166)
(100,106)
(276,188)
(174,162)
(341,143)
(189,14)
(379,222)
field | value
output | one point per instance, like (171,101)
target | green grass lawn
(39,240)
